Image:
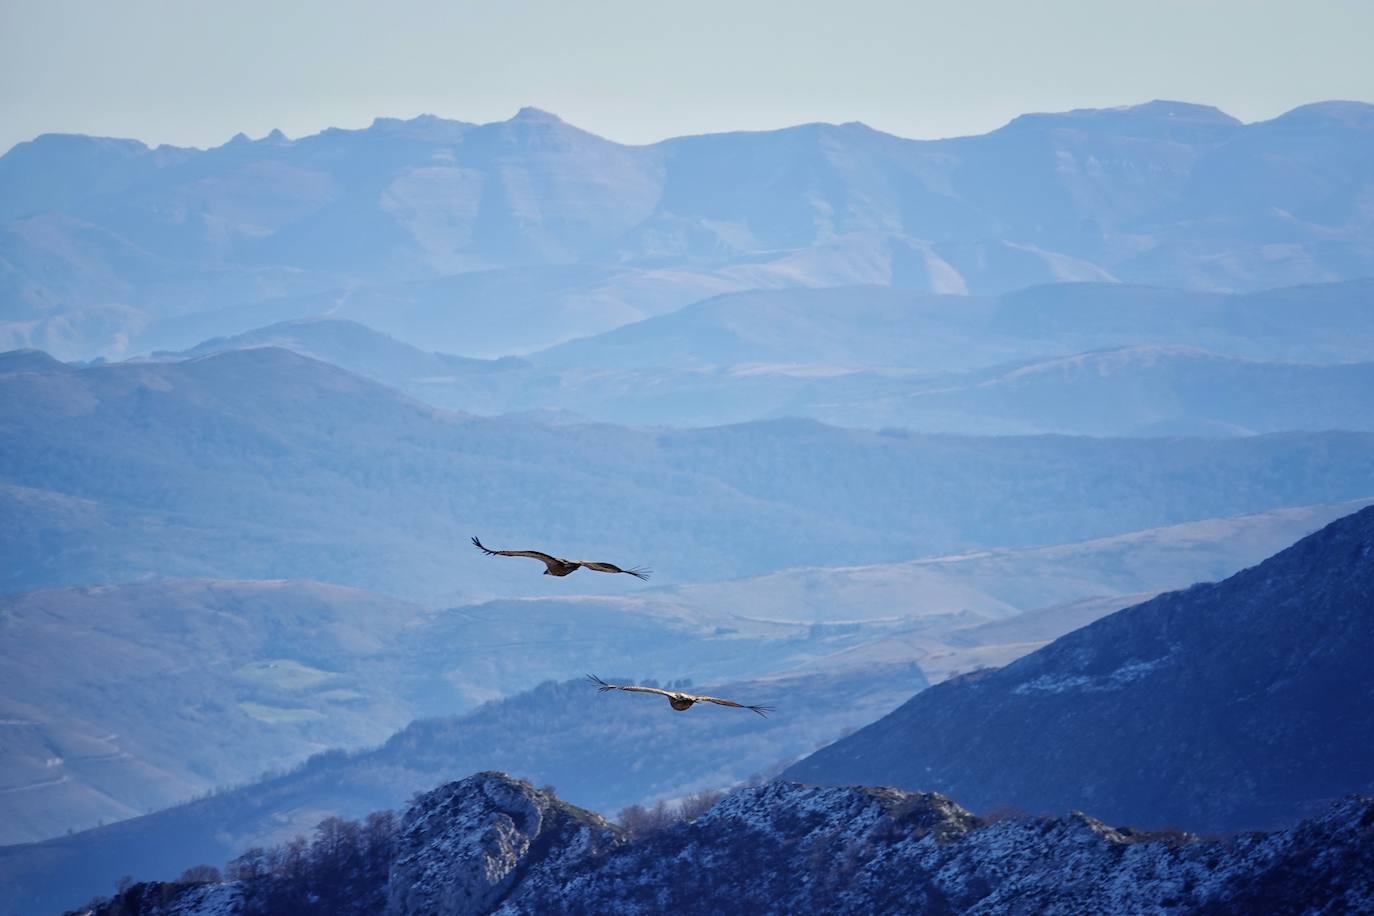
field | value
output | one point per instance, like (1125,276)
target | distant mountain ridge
(1129,361)
(108,241)
(121,471)
(876,327)
(1223,706)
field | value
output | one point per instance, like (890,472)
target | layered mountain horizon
(1079,359)
(1251,676)
(423,226)
(1172,115)
(1032,468)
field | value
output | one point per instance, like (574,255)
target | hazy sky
(640,70)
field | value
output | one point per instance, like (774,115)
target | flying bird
(677,699)
(557,566)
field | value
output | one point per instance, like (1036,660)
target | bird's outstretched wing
(602,687)
(761,710)
(639,572)
(544,557)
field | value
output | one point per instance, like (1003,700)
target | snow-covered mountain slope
(491,844)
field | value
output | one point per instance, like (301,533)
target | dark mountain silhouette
(1224,706)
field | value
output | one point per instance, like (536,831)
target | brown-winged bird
(676,698)
(557,566)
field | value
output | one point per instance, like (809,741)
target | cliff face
(1243,704)
(468,846)
(492,844)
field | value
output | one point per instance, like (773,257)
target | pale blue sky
(638,70)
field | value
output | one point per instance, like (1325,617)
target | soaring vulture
(557,566)
(677,699)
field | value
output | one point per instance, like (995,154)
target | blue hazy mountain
(106,242)
(1224,706)
(265,674)
(874,327)
(1077,359)
(262,463)
(262,673)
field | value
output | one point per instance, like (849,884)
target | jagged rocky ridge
(492,844)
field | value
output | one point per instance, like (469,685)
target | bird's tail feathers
(601,686)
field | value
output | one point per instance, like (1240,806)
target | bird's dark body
(680,703)
(562,568)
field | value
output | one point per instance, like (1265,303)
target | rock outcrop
(468,846)
(492,844)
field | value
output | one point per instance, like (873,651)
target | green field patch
(341,695)
(278,715)
(283,674)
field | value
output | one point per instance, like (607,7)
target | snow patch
(1131,671)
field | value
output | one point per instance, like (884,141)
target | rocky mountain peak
(530,114)
(464,846)
(493,844)
(789,809)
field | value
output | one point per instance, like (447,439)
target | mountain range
(966,455)
(428,228)
(263,464)
(1074,358)
(1225,706)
